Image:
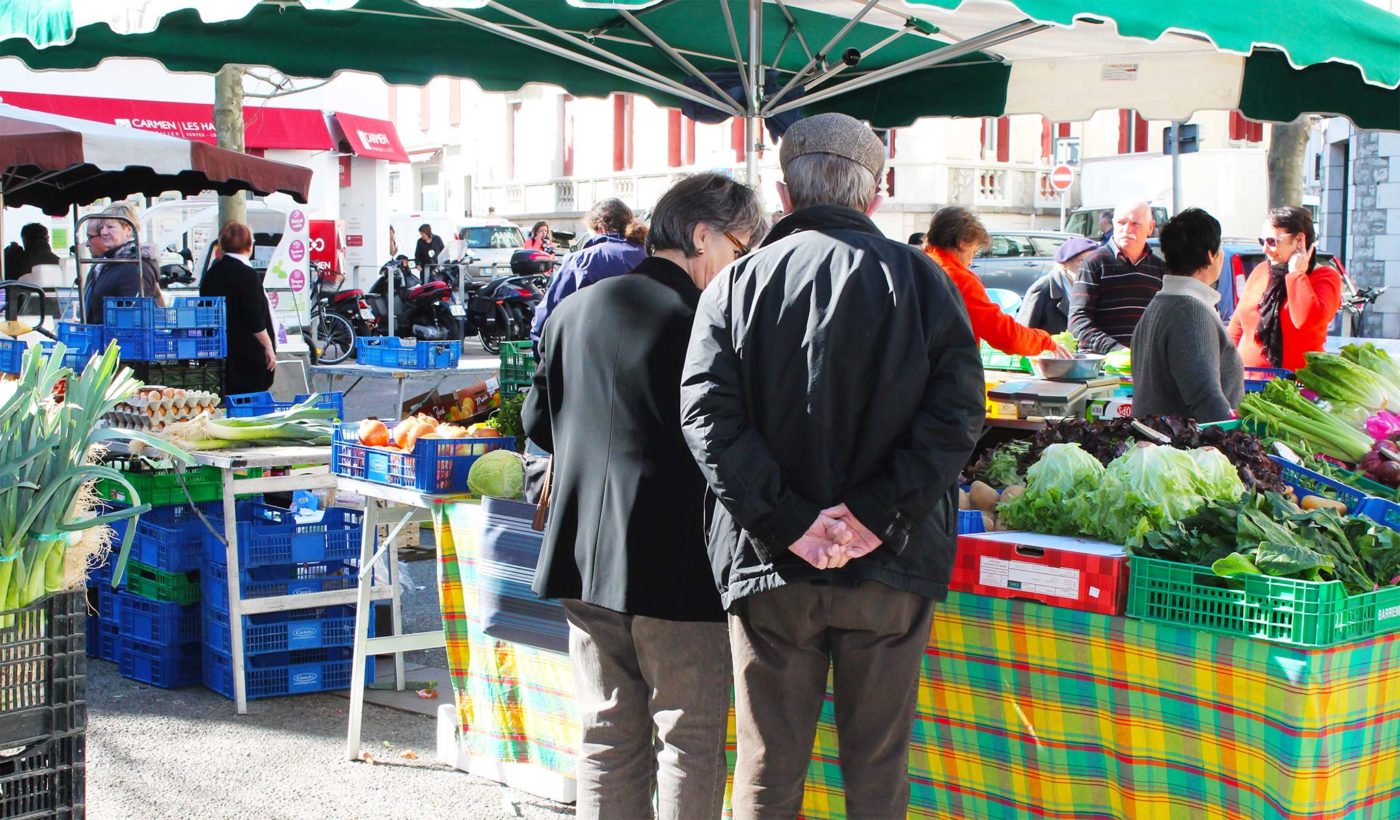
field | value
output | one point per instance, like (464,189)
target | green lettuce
(1151,488)
(1056,500)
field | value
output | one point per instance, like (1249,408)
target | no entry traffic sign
(1062,177)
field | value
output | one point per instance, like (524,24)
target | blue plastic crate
(283,673)
(244,405)
(265,582)
(434,466)
(191,313)
(406,354)
(323,628)
(12,355)
(1257,378)
(158,622)
(147,345)
(1304,483)
(183,313)
(171,539)
(102,639)
(970,522)
(73,359)
(78,336)
(271,536)
(166,666)
(128,312)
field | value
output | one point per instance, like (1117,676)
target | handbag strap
(542,508)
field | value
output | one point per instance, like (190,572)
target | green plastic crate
(517,365)
(161,488)
(158,585)
(993,359)
(1282,610)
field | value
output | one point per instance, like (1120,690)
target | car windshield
(498,237)
(1047,245)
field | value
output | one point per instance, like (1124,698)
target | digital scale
(1033,399)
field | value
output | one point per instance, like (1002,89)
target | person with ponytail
(1289,300)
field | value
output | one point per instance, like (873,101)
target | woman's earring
(699,251)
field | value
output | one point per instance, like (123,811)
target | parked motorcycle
(424,310)
(337,317)
(175,268)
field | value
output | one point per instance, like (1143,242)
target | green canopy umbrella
(884,61)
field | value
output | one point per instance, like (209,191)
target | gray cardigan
(1183,361)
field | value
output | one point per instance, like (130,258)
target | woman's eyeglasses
(740,249)
(1268,241)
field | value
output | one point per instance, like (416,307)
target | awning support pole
(752,122)
(821,55)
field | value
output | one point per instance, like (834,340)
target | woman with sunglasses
(625,544)
(1289,300)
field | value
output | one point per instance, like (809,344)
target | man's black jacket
(832,365)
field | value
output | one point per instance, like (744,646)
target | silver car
(1015,259)
(490,242)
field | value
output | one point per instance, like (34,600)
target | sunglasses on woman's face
(1268,241)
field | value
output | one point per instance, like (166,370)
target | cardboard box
(1075,573)
(461,405)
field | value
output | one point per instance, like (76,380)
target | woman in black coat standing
(252,351)
(625,545)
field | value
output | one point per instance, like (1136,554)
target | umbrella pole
(753,103)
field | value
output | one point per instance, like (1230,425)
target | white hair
(1128,206)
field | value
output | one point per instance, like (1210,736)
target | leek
(47,449)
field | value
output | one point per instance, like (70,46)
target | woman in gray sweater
(1183,361)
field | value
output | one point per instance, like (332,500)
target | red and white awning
(54,162)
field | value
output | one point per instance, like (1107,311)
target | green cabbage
(498,474)
(1151,488)
(1056,499)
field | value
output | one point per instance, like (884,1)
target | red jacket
(990,323)
(1312,301)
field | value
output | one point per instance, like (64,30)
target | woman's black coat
(626,525)
(247,312)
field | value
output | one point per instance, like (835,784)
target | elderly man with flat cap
(832,393)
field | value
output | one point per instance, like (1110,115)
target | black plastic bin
(44,778)
(43,669)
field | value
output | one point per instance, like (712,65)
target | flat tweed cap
(835,134)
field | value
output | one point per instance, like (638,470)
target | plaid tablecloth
(1028,710)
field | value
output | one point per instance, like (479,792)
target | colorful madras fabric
(1028,710)
(514,702)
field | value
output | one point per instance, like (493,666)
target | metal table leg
(363,611)
(397,604)
(235,593)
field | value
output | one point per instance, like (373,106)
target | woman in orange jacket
(1288,301)
(952,240)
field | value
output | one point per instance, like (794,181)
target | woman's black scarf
(1269,334)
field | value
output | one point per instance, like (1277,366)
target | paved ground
(154,753)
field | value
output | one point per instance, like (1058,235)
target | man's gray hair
(826,179)
(712,199)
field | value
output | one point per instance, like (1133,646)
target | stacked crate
(190,328)
(156,608)
(279,554)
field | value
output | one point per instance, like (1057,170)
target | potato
(964,502)
(983,497)
(1317,502)
(1011,492)
(989,522)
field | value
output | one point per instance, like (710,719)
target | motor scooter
(423,310)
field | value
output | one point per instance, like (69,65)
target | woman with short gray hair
(625,545)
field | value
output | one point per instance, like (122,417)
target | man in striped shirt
(1116,283)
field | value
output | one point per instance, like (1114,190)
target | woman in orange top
(953,239)
(1288,301)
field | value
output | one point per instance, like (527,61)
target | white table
(230,462)
(482,367)
(398,508)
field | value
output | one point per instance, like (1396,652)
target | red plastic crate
(1073,573)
